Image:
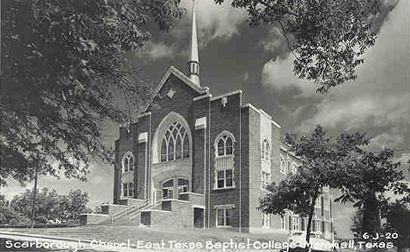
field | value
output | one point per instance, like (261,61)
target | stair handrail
(128,209)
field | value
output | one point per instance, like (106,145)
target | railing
(148,206)
(128,210)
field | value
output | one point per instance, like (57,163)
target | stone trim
(229,206)
(226,94)
(200,123)
(143,137)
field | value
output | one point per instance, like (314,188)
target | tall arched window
(175,143)
(282,165)
(224,160)
(265,150)
(127,162)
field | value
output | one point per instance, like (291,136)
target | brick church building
(197,160)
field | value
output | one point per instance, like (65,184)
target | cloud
(358,111)
(154,51)
(216,22)
(275,43)
(379,100)
(278,75)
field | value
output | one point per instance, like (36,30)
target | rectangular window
(295,221)
(131,190)
(282,223)
(125,190)
(221,179)
(221,217)
(182,188)
(224,217)
(167,193)
(224,179)
(265,220)
(323,227)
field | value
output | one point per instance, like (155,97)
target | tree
(398,221)
(63,65)
(320,156)
(375,176)
(339,163)
(327,38)
(50,206)
(73,205)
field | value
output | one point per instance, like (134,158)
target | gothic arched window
(127,162)
(175,143)
(224,160)
(225,145)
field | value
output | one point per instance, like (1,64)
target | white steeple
(193,63)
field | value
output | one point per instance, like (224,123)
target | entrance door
(198,217)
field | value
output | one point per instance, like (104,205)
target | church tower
(193,62)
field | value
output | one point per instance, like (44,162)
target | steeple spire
(193,62)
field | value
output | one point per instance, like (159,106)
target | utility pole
(33,210)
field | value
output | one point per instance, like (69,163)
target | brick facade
(180,102)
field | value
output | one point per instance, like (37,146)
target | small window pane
(131,163)
(171,151)
(229,214)
(178,148)
(168,183)
(220,213)
(186,147)
(221,147)
(125,190)
(228,178)
(229,145)
(164,151)
(131,189)
(229,150)
(183,182)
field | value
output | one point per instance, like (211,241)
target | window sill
(223,226)
(224,188)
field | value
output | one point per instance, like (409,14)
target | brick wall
(225,118)
(255,163)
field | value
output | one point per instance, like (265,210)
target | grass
(133,233)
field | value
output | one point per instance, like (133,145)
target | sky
(256,60)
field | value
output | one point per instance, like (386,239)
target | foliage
(9,215)
(338,163)
(398,220)
(327,38)
(374,176)
(62,69)
(49,206)
(319,155)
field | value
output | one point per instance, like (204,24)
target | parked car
(297,241)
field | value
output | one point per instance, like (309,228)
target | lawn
(120,234)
